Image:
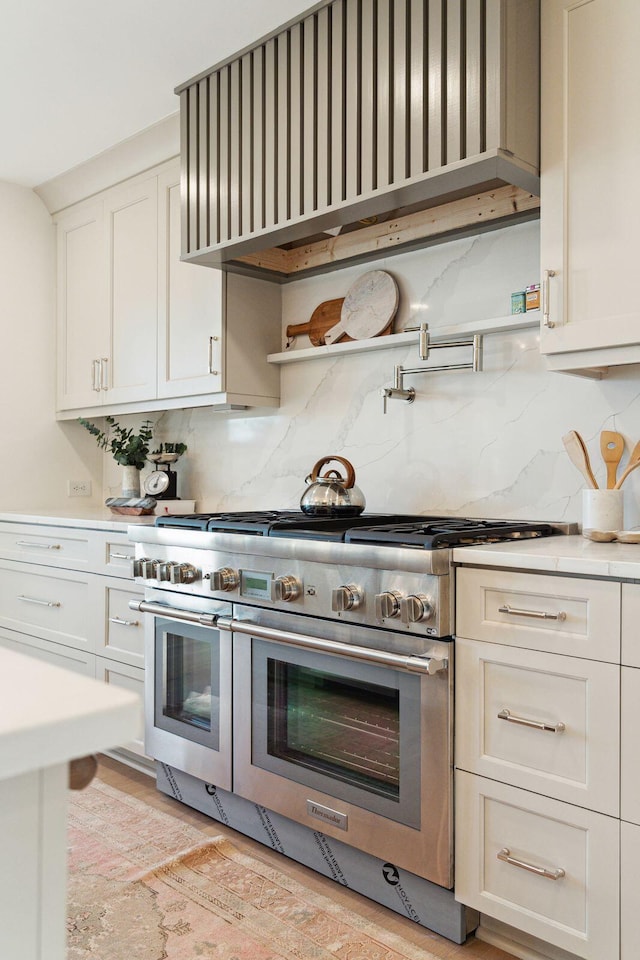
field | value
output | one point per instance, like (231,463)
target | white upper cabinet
(129,368)
(138,329)
(590,153)
(190,302)
(81,305)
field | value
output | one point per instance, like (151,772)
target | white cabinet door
(548,868)
(190,307)
(589,160)
(547,723)
(131,212)
(81,304)
(129,678)
(629,890)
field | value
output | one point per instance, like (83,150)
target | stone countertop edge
(98,518)
(39,730)
(559,555)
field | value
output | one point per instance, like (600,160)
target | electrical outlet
(79,488)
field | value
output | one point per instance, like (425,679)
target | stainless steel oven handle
(174,613)
(428,665)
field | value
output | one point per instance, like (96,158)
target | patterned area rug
(146,886)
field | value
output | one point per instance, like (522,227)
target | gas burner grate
(431,533)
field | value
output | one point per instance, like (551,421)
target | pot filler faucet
(398,391)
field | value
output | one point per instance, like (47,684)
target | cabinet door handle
(120,556)
(546,320)
(213,372)
(535,614)
(95,376)
(536,724)
(124,623)
(38,546)
(505,856)
(104,371)
(43,603)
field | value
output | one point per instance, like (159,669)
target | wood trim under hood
(360,114)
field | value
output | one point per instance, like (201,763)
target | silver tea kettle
(332,495)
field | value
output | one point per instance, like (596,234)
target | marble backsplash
(475,444)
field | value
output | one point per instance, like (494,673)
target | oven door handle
(413,664)
(174,613)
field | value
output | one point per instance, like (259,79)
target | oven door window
(348,729)
(187,671)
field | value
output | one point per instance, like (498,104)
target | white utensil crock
(602,510)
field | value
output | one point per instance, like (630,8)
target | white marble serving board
(369,307)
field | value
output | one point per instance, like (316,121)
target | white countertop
(96,518)
(560,554)
(49,715)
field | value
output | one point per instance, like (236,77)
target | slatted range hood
(362,128)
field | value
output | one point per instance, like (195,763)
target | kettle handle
(351,474)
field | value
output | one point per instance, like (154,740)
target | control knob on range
(148,568)
(285,588)
(137,566)
(183,573)
(388,604)
(225,579)
(415,607)
(346,597)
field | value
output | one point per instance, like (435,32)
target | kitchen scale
(162,484)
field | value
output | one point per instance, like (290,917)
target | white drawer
(630,754)
(124,633)
(129,678)
(572,616)
(578,911)
(60,606)
(52,546)
(78,661)
(631,624)
(114,555)
(572,751)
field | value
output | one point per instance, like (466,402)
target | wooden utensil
(369,307)
(611,448)
(325,316)
(575,447)
(634,461)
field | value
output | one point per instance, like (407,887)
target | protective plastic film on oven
(348,729)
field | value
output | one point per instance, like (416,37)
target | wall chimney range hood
(362,128)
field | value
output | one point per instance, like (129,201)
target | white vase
(130,482)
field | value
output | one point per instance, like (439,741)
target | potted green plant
(127,448)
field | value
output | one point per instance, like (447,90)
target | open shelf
(516,321)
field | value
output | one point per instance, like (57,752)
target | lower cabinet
(78,661)
(544,767)
(630,889)
(130,678)
(542,866)
(70,607)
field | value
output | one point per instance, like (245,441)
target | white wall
(486,444)
(38,454)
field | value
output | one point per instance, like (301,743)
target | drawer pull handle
(536,724)
(120,556)
(38,546)
(505,856)
(124,623)
(536,614)
(44,603)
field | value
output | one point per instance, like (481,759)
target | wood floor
(143,788)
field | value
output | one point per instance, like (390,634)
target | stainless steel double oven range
(306,665)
